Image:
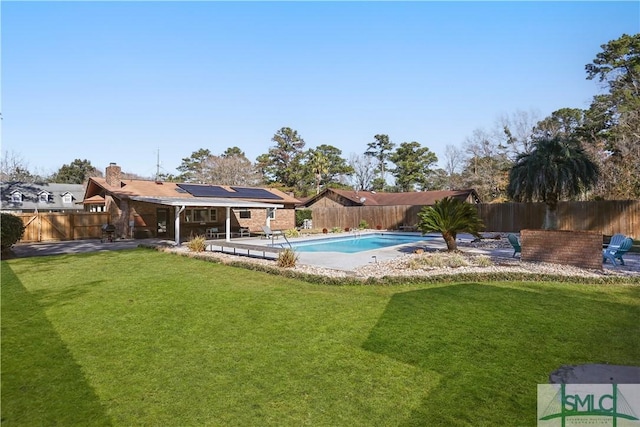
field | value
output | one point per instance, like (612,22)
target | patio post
(227,225)
(177,223)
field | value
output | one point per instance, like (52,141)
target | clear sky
(118,81)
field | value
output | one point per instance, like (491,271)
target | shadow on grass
(41,383)
(493,345)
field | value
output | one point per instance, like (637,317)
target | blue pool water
(353,244)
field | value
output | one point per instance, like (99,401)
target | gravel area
(429,263)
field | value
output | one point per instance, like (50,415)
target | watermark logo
(576,405)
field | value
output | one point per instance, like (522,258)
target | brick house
(144,208)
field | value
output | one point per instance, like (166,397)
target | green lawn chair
(513,239)
(614,252)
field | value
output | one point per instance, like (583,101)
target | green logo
(588,404)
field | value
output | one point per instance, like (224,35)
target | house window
(271,213)
(245,214)
(67,198)
(200,215)
(97,208)
(43,197)
(16,197)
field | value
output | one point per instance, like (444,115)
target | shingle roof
(145,188)
(31,196)
(373,198)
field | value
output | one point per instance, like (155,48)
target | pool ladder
(281,244)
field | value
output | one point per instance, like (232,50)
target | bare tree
(487,165)
(516,130)
(14,168)
(231,170)
(454,159)
(364,171)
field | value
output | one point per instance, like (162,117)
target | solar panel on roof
(217,191)
(205,190)
(255,193)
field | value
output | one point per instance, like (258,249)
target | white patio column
(227,225)
(177,223)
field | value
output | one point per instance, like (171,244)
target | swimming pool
(353,244)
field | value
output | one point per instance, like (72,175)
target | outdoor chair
(513,239)
(211,232)
(616,240)
(269,234)
(614,252)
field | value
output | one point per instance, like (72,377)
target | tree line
(608,132)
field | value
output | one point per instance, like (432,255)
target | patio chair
(615,252)
(513,239)
(211,232)
(269,234)
(615,241)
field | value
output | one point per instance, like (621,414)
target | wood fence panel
(607,217)
(89,225)
(57,226)
(48,226)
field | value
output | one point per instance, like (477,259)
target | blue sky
(118,81)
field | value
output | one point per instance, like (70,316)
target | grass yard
(146,338)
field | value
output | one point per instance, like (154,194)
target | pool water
(355,244)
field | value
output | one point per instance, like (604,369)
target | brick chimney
(113,175)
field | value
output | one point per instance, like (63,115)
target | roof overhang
(208,202)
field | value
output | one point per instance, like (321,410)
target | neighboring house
(143,208)
(333,198)
(28,197)
(348,208)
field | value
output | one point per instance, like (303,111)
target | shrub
(197,244)
(325,231)
(301,215)
(292,232)
(451,260)
(336,230)
(378,227)
(448,259)
(12,230)
(450,217)
(287,258)
(363,224)
(482,261)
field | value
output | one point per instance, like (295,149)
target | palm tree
(319,166)
(556,168)
(450,216)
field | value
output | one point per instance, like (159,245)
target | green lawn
(146,338)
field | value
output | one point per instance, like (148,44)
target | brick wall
(577,248)
(284,220)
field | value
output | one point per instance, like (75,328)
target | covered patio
(181,204)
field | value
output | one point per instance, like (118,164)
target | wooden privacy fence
(607,217)
(44,227)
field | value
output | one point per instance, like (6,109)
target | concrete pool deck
(332,260)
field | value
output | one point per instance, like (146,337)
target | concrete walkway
(22,250)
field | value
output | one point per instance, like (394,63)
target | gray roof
(31,199)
